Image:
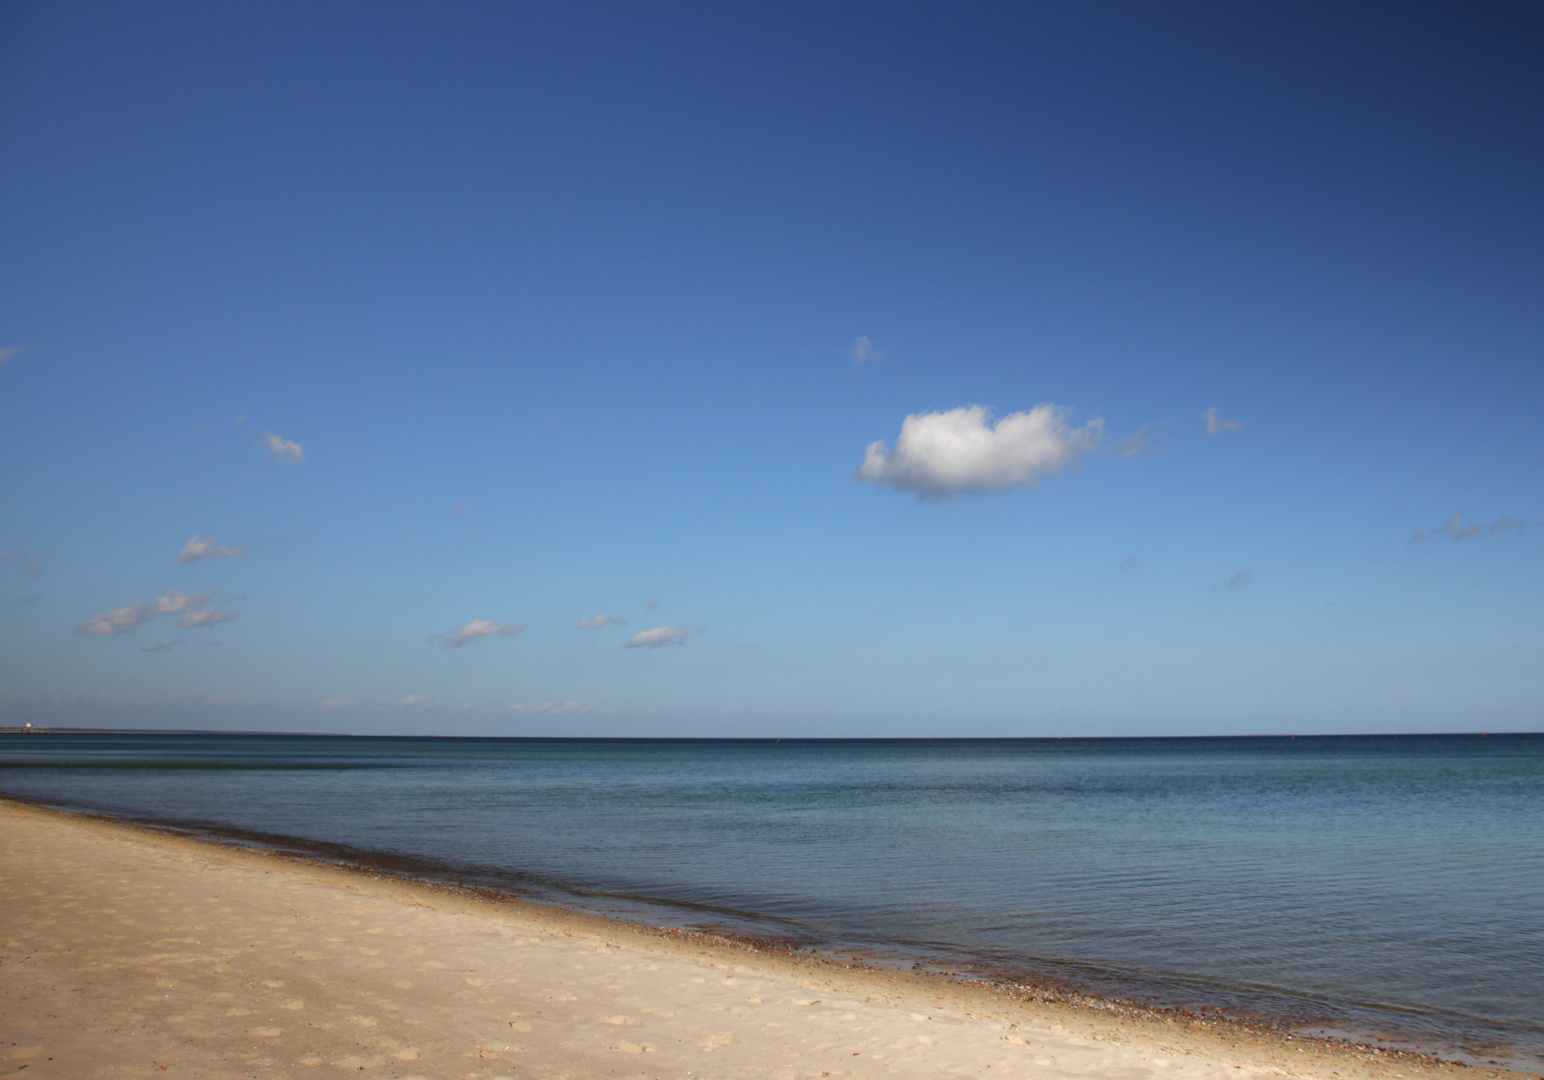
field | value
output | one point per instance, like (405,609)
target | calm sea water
(1386,887)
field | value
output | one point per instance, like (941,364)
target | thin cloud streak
(479,628)
(863,352)
(1455,529)
(1237,581)
(1216,425)
(661,636)
(208,547)
(600,621)
(127,619)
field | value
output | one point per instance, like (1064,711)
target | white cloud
(283,450)
(601,620)
(212,617)
(459,510)
(1216,424)
(207,547)
(1237,581)
(160,646)
(9,353)
(479,628)
(863,351)
(961,452)
(1455,529)
(126,620)
(661,635)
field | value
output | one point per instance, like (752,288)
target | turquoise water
(1385,886)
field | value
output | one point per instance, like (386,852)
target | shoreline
(1089,989)
(1235,1042)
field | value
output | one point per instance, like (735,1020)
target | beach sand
(127,951)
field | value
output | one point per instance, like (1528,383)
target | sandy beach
(127,951)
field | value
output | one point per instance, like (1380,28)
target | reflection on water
(1374,884)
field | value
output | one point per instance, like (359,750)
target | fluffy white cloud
(284,450)
(863,351)
(601,620)
(661,635)
(1216,424)
(1455,529)
(126,620)
(207,547)
(480,628)
(961,452)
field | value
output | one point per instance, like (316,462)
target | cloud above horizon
(660,636)
(1455,529)
(961,452)
(283,450)
(601,620)
(207,547)
(127,619)
(479,628)
(1215,424)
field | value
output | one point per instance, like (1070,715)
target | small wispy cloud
(160,646)
(284,450)
(1455,529)
(1141,443)
(863,351)
(962,452)
(1216,425)
(127,619)
(601,620)
(30,598)
(652,605)
(10,352)
(33,563)
(207,547)
(660,636)
(1129,561)
(1237,581)
(479,628)
(459,510)
(211,617)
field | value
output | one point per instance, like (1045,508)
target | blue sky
(422,333)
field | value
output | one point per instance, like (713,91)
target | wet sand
(127,951)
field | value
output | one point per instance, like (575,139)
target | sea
(1384,889)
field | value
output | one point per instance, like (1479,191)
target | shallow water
(1384,886)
